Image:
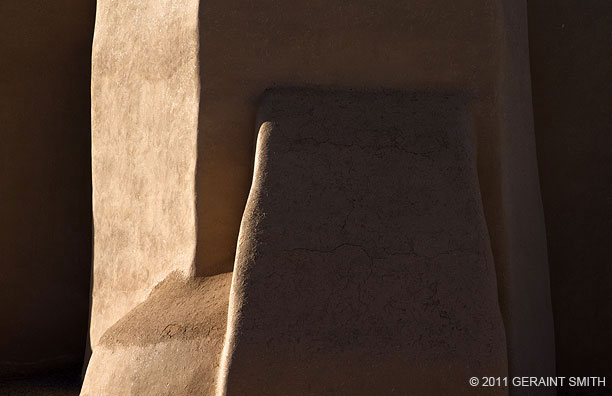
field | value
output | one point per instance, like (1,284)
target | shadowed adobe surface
(476,46)
(54,383)
(363,265)
(571,67)
(45,183)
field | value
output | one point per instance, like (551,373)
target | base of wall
(168,345)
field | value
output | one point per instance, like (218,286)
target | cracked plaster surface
(363,241)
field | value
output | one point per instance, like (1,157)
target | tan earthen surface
(150,124)
(175,80)
(168,345)
(144,129)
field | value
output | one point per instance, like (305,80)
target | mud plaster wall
(475,46)
(365,220)
(149,107)
(247,47)
(571,68)
(144,129)
(45,183)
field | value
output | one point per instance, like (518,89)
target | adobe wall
(145,98)
(176,86)
(45,183)
(478,47)
(571,68)
(364,264)
(246,48)
(175,89)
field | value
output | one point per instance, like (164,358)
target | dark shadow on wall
(45,185)
(571,67)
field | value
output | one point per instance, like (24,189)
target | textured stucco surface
(247,47)
(45,183)
(363,265)
(149,127)
(168,345)
(571,68)
(158,101)
(475,46)
(144,130)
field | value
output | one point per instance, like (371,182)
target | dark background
(45,184)
(571,70)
